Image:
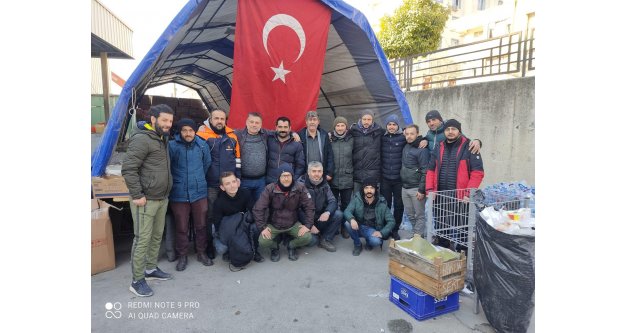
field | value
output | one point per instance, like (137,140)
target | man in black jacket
(367,144)
(413,170)
(284,150)
(393,142)
(316,144)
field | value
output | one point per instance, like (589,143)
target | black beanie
(370,182)
(186,122)
(453,123)
(434,114)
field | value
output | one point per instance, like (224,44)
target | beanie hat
(452,123)
(366,112)
(311,114)
(186,122)
(340,119)
(392,119)
(370,182)
(285,168)
(434,114)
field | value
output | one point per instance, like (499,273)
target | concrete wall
(499,113)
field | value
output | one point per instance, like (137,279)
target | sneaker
(326,244)
(157,275)
(258,257)
(141,288)
(357,250)
(275,255)
(182,264)
(204,259)
(292,254)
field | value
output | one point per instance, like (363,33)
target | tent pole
(328,100)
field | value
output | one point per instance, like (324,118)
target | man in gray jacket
(148,177)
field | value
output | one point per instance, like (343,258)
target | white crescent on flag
(287,21)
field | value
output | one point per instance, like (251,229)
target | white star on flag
(280,72)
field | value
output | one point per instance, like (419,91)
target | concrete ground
(321,292)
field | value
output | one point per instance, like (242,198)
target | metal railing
(497,58)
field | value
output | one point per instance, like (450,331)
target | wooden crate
(433,287)
(437,269)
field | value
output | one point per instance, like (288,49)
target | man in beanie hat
(190,160)
(367,144)
(368,216)
(393,142)
(276,212)
(453,167)
(316,145)
(342,184)
(435,135)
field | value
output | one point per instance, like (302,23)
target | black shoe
(275,255)
(395,235)
(204,259)
(225,257)
(357,250)
(182,264)
(326,244)
(171,256)
(368,247)
(210,251)
(292,254)
(141,288)
(344,233)
(258,257)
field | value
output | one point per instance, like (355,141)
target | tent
(196,50)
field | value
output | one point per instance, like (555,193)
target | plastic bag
(504,277)
(424,249)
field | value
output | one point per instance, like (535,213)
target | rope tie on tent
(132,111)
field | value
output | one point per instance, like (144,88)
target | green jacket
(145,166)
(384,221)
(343,164)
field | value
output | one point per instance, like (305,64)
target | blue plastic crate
(419,304)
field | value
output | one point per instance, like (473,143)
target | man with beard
(368,216)
(327,217)
(225,155)
(317,145)
(367,144)
(146,171)
(393,142)
(435,123)
(190,160)
(343,182)
(276,213)
(284,150)
(413,169)
(453,167)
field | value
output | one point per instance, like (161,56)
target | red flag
(278,59)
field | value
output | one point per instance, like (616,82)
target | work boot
(210,251)
(326,244)
(275,255)
(182,263)
(258,257)
(357,250)
(204,259)
(344,233)
(292,254)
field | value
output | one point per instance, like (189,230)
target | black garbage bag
(504,277)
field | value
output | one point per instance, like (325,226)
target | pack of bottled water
(508,195)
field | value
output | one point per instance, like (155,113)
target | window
(481,4)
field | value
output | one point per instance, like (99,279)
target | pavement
(320,292)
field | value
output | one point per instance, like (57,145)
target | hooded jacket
(342,149)
(392,147)
(280,209)
(190,162)
(415,162)
(384,220)
(225,153)
(145,166)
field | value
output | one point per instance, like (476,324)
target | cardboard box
(109,187)
(102,245)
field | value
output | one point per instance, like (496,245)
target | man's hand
(266,233)
(302,230)
(324,217)
(328,178)
(140,202)
(377,234)
(420,196)
(314,230)
(423,143)
(296,137)
(475,146)
(354,224)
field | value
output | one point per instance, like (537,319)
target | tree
(415,27)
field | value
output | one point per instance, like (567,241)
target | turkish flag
(278,59)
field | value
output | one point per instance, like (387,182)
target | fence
(495,58)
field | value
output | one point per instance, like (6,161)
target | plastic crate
(419,304)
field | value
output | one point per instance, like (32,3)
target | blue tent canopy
(197,48)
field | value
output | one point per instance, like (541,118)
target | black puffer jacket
(392,146)
(366,156)
(415,162)
(292,153)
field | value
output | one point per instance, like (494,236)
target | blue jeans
(363,231)
(255,186)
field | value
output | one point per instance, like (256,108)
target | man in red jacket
(452,167)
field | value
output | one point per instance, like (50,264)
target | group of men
(300,189)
